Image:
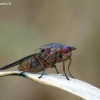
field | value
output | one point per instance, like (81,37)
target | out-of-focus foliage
(26,25)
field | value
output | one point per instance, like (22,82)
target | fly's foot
(39,76)
(68,78)
(22,74)
(71,75)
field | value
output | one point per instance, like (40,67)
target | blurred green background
(28,24)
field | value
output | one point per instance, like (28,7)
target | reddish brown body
(47,57)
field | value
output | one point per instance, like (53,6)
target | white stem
(74,86)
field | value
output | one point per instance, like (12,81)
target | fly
(47,57)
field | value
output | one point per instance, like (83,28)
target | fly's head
(67,51)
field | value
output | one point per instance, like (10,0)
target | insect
(47,57)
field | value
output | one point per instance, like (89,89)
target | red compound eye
(65,50)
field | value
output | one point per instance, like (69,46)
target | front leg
(64,70)
(69,67)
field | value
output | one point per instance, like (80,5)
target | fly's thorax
(51,55)
(54,45)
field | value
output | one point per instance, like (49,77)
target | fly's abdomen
(30,65)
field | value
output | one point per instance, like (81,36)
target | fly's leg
(42,73)
(64,70)
(56,69)
(42,67)
(22,74)
(53,65)
(69,67)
